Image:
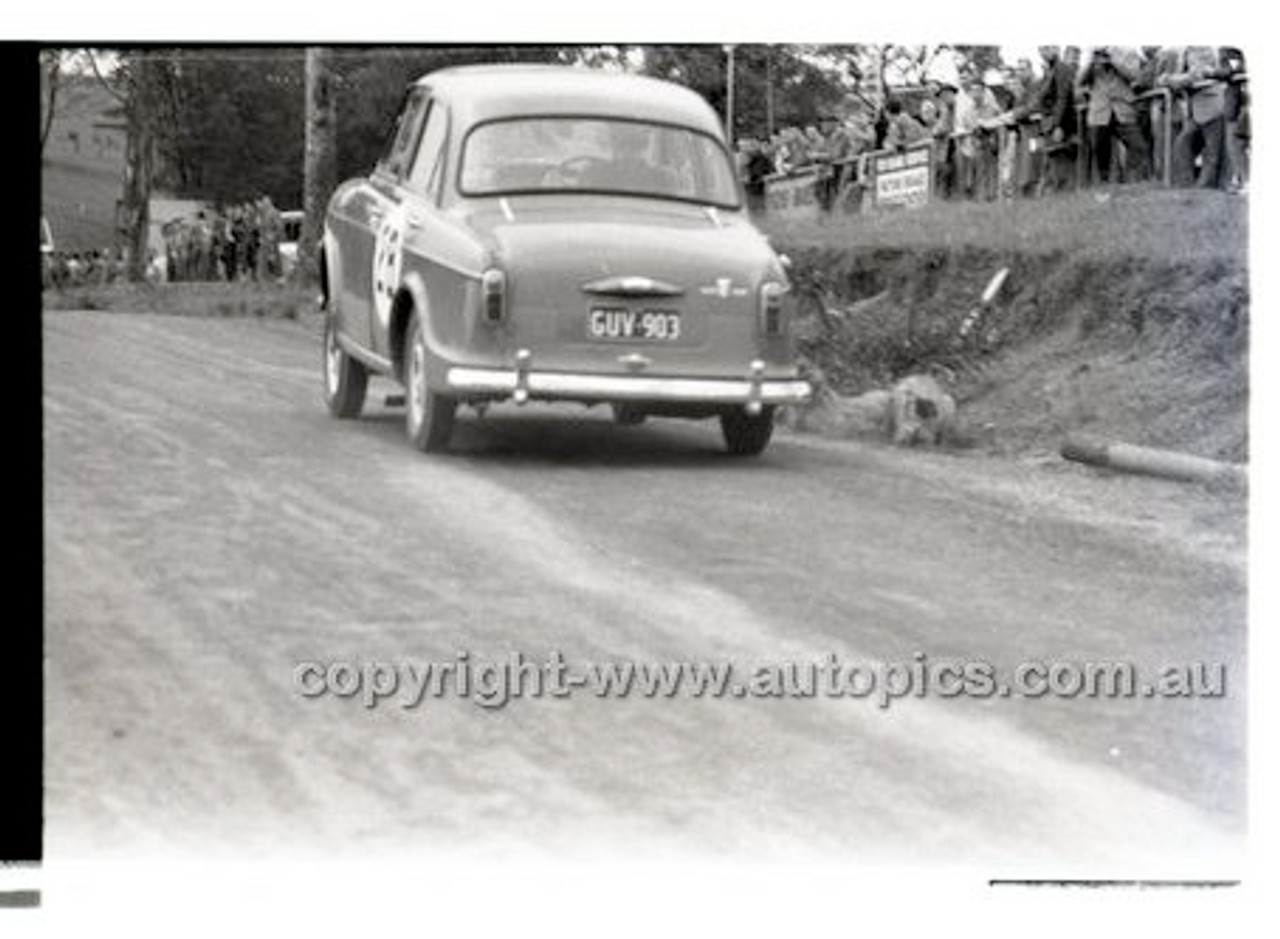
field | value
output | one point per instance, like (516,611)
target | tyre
(745,434)
(627,415)
(345,379)
(428,416)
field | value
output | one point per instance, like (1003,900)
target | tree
(50,79)
(133,83)
(775,85)
(232,124)
(320,169)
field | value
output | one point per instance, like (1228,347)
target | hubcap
(417,383)
(333,360)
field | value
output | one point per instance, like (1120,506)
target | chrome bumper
(522,383)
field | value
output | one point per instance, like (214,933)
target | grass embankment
(1126,316)
(275,301)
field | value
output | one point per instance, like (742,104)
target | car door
(371,256)
(411,216)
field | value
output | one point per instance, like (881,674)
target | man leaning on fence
(1054,103)
(1109,79)
(1199,76)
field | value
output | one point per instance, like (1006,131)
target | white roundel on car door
(388,253)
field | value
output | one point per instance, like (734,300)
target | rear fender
(330,272)
(411,298)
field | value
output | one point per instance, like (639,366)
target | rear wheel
(746,434)
(428,416)
(345,379)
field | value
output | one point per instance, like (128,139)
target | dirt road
(209,527)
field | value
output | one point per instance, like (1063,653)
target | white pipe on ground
(1130,458)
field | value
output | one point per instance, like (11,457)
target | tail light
(772,322)
(493,290)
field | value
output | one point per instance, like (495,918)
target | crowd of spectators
(235,243)
(83,268)
(231,243)
(1018,132)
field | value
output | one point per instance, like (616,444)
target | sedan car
(544,233)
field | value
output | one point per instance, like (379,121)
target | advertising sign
(903,178)
(794,195)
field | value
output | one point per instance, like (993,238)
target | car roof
(485,92)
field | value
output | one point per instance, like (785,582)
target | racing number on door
(388,254)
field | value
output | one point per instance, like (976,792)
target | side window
(428,168)
(408,130)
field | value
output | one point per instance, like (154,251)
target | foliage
(231,126)
(229,121)
(371,85)
(784,78)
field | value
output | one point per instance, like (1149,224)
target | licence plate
(620,323)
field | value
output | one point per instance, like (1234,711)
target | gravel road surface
(208,527)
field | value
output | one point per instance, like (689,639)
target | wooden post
(729,96)
(768,92)
(320,166)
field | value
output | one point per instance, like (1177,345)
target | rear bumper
(522,384)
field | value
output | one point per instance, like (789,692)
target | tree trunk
(320,167)
(139,166)
(768,91)
(54,76)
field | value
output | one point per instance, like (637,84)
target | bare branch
(55,75)
(102,79)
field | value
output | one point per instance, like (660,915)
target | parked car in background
(543,233)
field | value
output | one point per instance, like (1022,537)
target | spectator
(156,267)
(1199,77)
(1236,112)
(1052,106)
(965,144)
(791,152)
(988,120)
(778,153)
(1109,80)
(903,130)
(942,132)
(201,248)
(757,166)
(270,229)
(240,239)
(1006,90)
(253,239)
(816,143)
(1164,63)
(174,252)
(217,246)
(820,153)
(861,127)
(860,133)
(839,148)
